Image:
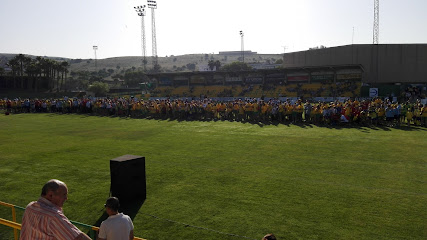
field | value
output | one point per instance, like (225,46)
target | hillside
(169,63)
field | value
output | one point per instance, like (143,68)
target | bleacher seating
(306,90)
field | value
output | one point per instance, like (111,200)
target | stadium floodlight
(140,10)
(242,46)
(153,5)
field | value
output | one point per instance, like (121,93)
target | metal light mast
(94,49)
(376,21)
(284,51)
(153,5)
(141,12)
(242,46)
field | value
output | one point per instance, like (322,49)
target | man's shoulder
(44,205)
(32,204)
(122,215)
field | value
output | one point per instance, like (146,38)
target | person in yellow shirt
(138,109)
(317,112)
(424,115)
(299,110)
(181,107)
(236,107)
(264,111)
(208,111)
(373,116)
(348,111)
(255,114)
(228,111)
(417,115)
(288,112)
(409,116)
(281,112)
(381,113)
(241,111)
(249,111)
(215,110)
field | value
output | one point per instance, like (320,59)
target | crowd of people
(413,93)
(364,112)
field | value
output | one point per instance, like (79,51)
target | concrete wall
(384,63)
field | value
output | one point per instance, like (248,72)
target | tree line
(39,73)
(36,73)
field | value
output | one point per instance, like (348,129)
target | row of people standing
(365,112)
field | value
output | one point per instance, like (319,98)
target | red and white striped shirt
(44,220)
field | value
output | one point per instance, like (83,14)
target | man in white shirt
(117,226)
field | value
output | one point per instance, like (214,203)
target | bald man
(44,219)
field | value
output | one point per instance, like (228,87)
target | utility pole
(153,5)
(284,51)
(242,48)
(96,65)
(141,12)
(352,37)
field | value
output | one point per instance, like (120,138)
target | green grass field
(231,180)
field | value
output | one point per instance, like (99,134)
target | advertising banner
(301,78)
(255,80)
(197,80)
(233,79)
(215,81)
(165,82)
(373,92)
(349,76)
(322,78)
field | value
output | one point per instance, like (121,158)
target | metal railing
(17,226)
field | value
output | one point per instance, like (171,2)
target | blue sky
(71,28)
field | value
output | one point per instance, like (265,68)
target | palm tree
(58,70)
(23,62)
(64,68)
(39,69)
(14,66)
(50,70)
(31,71)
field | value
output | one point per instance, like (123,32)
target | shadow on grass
(128,207)
(338,126)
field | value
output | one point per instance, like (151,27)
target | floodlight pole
(153,5)
(94,49)
(141,12)
(242,46)
(284,51)
(376,21)
(352,37)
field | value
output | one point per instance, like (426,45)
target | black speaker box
(128,182)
